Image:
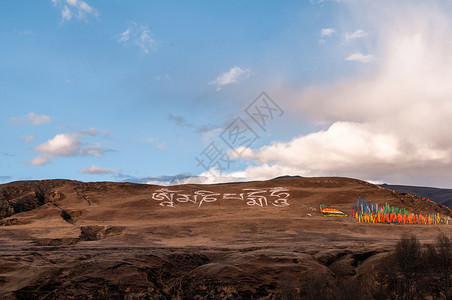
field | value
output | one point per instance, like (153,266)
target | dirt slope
(63,238)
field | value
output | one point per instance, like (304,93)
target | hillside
(441,196)
(224,240)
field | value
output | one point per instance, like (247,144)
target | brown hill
(62,238)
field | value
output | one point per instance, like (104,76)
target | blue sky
(136,90)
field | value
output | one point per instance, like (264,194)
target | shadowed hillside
(441,196)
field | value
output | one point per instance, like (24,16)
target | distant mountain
(441,196)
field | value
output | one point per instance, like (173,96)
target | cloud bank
(392,125)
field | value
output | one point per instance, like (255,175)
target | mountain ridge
(439,195)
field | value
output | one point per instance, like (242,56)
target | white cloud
(146,42)
(66,14)
(348,147)
(208,177)
(32,118)
(149,140)
(78,8)
(261,172)
(38,119)
(124,36)
(392,125)
(83,6)
(326,32)
(357,34)
(67,145)
(98,170)
(91,132)
(28,139)
(61,144)
(164,76)
(40,160)
(161,146)
(92,150)
(138,35)
(234,75)
(323,1)
(360,57)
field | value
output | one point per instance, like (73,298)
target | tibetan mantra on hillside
(277,196)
